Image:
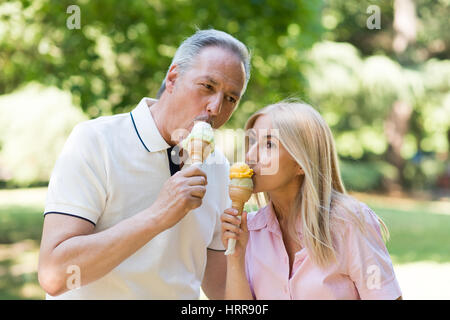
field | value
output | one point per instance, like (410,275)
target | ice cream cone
(199,150)
(199,143)
(239,196)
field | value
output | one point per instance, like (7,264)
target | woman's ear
(300,171)
(172,75)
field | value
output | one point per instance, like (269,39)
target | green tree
(345,21)
(123,48)
(355,94)
(34,124)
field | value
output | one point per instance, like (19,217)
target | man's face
(209,90)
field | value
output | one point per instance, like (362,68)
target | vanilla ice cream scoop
(200,142)
(202,131)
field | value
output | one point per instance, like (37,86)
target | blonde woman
(311,240)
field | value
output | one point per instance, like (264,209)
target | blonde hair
(308,139)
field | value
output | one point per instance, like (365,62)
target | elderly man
(121,220)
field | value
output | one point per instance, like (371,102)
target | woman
(311,240)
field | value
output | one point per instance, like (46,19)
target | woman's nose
(251,157)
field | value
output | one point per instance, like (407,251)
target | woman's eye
(270,145)
(207,86)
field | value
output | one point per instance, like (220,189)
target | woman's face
(273,166)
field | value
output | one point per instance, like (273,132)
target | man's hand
(180,194)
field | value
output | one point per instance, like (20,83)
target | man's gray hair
(191,47)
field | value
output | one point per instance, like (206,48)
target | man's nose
(215,104)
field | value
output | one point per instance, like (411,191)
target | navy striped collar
(146,130)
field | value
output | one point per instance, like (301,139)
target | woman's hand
(233,228)
(236,287)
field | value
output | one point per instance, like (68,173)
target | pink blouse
(363,269)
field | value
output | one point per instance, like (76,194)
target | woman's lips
(255,171)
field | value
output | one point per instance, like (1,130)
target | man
(121,219)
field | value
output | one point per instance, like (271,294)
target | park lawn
(416,235)
(419,232)
(20,233)
(19,222)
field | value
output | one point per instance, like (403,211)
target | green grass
(19,284)
(416,235)
(18,222)
(20,234)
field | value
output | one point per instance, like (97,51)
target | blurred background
(378,71)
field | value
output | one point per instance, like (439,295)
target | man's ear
(171,78)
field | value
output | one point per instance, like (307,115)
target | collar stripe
(137,132)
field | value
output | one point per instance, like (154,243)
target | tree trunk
(396,126)
(397,123)
(405,24)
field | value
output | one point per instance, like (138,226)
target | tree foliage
(355,95)
(34,124)
(345,21)
(123,48)
(322,52)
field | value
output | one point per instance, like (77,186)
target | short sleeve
(77,185)
(223,168)
(368,262)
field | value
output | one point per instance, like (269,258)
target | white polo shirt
(114,167)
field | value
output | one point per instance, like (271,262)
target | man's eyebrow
(208,78)
(237,95)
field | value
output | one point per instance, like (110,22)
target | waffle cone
(239,196)
(198,150)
